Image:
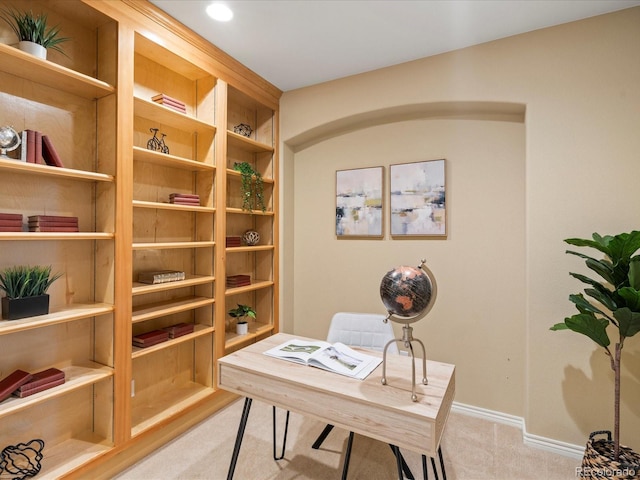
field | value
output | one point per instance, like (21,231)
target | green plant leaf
(591,326)
(631,298)
(583,304)
(629,322)
(559,326)
(634,272)
(603,296)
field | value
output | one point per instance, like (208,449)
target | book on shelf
(10,223)
(184,195)
(53,229)
(52,223)
(238,280)
(151,338)
(11,216)
(52,218)
(161,276)
(49,153)
(179,329)
(38,148)
(38,389)
(336,357)
(233,241)
(12,382)
(42,378)
(163,98)
(11,229)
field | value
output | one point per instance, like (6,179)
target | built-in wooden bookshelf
(96,105)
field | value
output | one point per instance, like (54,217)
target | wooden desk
(383,412)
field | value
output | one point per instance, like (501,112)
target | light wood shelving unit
(119,401)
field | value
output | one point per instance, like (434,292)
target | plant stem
(616,421)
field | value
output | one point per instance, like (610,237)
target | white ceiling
(297,43)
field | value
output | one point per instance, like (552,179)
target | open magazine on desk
(336,357)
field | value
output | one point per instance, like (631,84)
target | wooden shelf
(171,245)
(256,285)
(150,156)
(234,174)
(247,144)
(256,248)
(255,330)
(172,206)
(198,332)
(73,452)
(167,405)
(51,74)
(56,236)
(142,288)
(148,311)
(149,48)
(53,172)
(164,115)
(239,211)
(69,313)
(76,376)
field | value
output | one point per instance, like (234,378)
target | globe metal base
(407,339)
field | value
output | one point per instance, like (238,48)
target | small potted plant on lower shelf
(26,288)
(241,312)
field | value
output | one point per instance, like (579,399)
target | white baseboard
(536,441)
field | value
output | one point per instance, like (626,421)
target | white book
(336,357)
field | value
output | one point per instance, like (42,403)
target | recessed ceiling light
(220,12)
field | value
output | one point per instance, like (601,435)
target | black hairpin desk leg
(239,436)
(284,441)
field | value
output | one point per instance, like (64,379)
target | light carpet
(473,449)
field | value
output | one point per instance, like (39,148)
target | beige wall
(517,185)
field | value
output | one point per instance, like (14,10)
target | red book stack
(238,280)
(170,102)
(44,380)
(179,329)
(53,223)
(148,339)
(234,241)
(10,383)
(184,199)
(10,222)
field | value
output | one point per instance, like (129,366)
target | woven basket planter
(598,461)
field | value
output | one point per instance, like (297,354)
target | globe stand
(407,340)
(409,294)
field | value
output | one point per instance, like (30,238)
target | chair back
(367,330)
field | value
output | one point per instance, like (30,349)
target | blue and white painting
(359,202)
(418,198)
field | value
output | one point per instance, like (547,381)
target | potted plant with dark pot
(31,30)
(612,300)
(26,291)
(242,312)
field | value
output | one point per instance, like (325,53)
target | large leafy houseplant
(613,300)
(30,27)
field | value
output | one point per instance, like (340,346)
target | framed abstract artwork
(418,199)
(359,206)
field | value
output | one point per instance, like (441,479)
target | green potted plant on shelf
(242,312)
(26,291)
(612,300)
(31,30)
(252,187)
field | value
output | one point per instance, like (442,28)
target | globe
(408,293)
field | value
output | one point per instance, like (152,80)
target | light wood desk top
(383,412)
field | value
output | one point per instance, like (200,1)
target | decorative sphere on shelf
(251,237)
(408,293)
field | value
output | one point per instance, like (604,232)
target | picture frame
(417,199)
(360,203)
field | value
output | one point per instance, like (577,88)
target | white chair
(366,330)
